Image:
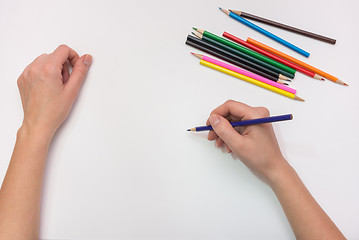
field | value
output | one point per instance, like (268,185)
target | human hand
(48,90)
(255,145)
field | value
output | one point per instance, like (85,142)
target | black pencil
(234,59)
(222,55)
(285,27)
(245,55)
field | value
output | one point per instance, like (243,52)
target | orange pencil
(296,61)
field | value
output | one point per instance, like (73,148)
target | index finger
(63,53)
(230,107)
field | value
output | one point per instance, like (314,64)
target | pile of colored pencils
(255,62)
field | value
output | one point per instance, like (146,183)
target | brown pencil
(285,27)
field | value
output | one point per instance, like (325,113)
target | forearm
(20,194)
(306,217)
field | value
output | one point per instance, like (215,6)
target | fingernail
(214,120)
(88,60)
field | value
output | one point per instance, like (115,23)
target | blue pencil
(247,122)
(265,32)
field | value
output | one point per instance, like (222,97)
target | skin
(48,91)
(306,217)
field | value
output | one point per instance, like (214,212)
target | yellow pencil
(250,80)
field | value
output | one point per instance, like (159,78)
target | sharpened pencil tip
(286,84)
(223,10)
(192,53)
(197,55)
(341,82)
(298,98)
(194,34)
(194,28)
(322,79)
(198,35)
(188,130)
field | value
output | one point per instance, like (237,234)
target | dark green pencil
(246,53)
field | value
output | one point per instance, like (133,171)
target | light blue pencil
(265,32)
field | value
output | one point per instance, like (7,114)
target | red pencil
(270,55)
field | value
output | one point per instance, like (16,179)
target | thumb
(225,130)
(79,72)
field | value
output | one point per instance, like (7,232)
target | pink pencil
(246,73)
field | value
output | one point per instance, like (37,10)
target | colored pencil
(285,27)
(245,50)
(247,122)
(244,72)
(268,54)
(234,59)
(208,37)
(265,32)
(296,61)
(250,80)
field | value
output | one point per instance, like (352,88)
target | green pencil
(233,46)
(245,56)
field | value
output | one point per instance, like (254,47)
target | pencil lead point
(192,53)
(346,84)
(194,28)
(286,84)
(188,130)
(220,8)
(198,35)
(225,11)
(322,79)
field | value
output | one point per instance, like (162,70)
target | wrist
(33,134)
(280,173)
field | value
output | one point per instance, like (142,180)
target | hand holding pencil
(255,145)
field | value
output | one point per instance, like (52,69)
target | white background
(123,166)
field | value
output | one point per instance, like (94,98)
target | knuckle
(223,132)
(230,101)
(262,111)
(82,71)
(40,57)
(63,46)
(220,131)
(33,70)
(48,69)
(26,71)
(19,82)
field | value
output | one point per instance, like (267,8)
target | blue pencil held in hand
(247,122)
